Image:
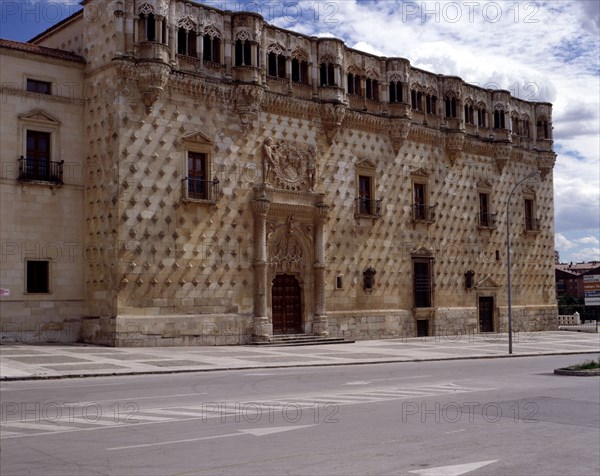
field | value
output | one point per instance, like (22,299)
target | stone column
(200,48)
(262,329)
(120,31)
(136,29)
(320,324)
(158,29)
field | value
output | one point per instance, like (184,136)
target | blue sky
(542,50)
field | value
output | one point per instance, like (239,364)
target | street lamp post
(532,174)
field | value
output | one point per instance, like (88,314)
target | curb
(222,369)
(578,373)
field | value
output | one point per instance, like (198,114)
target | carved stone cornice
(151,79)
(455,141)
(426,135)
(399,129)
(290,106)
(198,87)
(366,122)
(546,161)
(248,101)
(332,117)
(502,152)
(478,146)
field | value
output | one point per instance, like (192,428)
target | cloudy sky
(539,50)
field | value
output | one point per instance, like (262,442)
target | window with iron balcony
(36,165)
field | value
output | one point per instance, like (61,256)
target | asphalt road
(476,417)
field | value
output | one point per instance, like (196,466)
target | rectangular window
(37,276)
(37,160)
(484,211)
(422,283)
(365,195)
(299,71)
(35,86)
(420,211)
(198,182)
(530,218)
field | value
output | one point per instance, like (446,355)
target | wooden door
(286,305)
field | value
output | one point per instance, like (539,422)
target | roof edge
(58,26)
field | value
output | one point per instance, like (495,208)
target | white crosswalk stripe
(235,410)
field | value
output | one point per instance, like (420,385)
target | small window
(37,276)
(277,65)
(430,103)
(212,49)
(481,117)
(396,94)
(543,129)
(450,103)
(354,84)
(198,182)
(531,221)
(372,89)
(367,203)
(299,71)
(36,164)
(416,100)
(327,74)
(150,27)
(486,218)
(36,86)
(469,115)
(421,209)
(243,53)
(365,195)
(186,42)
(499,121)
(339,282)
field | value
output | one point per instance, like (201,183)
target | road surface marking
(255,432)
(454,470)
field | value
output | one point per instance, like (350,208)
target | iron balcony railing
(40,170)
(368,207)
(422,212)
(532,224)
(198,189)
(488,220)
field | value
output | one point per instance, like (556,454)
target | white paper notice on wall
(4,292)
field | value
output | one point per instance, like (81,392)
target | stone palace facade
(174,174)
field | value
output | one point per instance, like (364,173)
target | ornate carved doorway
(286,305)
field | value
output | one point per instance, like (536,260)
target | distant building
(568,283)
(176,174)
(569,278)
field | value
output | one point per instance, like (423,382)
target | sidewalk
(26,362)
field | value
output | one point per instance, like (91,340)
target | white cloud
(563,243)
(583,255)
(588,240)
